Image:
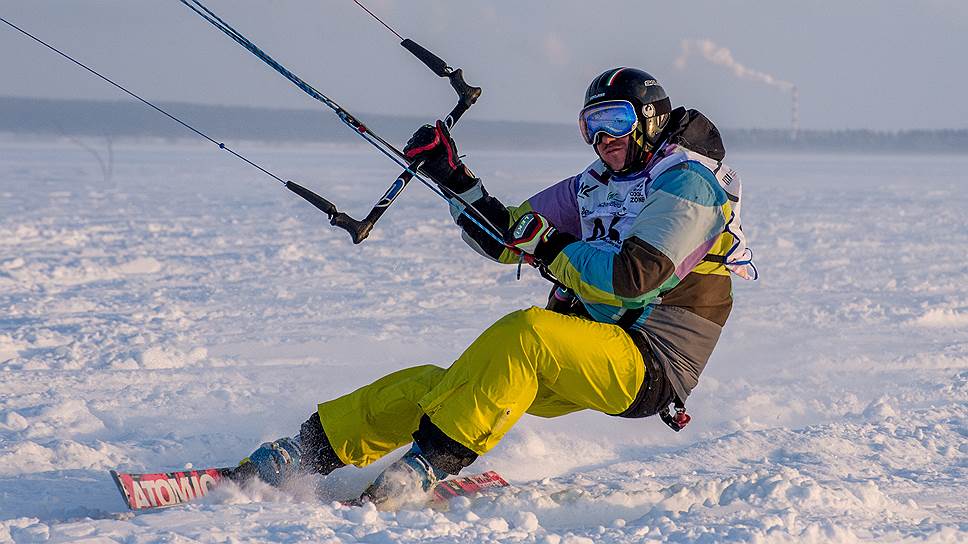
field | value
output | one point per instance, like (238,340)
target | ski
(153,490)
(466,486)
(159,489)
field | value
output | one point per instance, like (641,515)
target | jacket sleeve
(557,203)
(682,218)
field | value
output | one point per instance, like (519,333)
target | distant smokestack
(723,57)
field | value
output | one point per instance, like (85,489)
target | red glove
(433,145)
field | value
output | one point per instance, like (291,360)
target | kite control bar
(467,95)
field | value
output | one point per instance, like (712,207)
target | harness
(681,419)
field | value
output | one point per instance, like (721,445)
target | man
(640,243)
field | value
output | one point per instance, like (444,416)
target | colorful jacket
(644,245)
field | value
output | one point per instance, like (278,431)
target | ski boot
(278,461)
(407,480)
(273,462)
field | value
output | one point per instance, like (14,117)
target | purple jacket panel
(559,204)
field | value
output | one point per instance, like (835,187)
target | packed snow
(186,308)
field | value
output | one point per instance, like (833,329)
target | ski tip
(496,478)
(468,486)
(161,489)
(116,477)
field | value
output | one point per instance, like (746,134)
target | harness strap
(629,317)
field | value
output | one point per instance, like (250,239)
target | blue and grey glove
(534,237)
(277,461)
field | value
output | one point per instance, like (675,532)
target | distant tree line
(129,119)
(919,141)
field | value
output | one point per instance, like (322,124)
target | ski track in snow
(187,309)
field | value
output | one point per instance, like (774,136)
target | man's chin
(610,158)
(613,162)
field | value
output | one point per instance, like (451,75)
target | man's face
(613,150)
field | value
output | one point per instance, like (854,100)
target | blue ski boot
(406,480)
(280,460)
(274,462)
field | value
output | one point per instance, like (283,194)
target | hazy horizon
(129,119)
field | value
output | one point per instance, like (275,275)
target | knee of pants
(519,325)
(523,338)
(529,332)
(527,318)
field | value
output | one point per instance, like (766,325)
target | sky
(875,64)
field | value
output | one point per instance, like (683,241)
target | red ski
(465,486)
(160,489)
(155,490)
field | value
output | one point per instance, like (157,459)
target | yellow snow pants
(535,361)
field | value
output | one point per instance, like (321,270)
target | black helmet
(651,103)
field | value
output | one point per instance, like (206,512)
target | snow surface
(188,308)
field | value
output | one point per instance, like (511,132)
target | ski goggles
(616,118)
